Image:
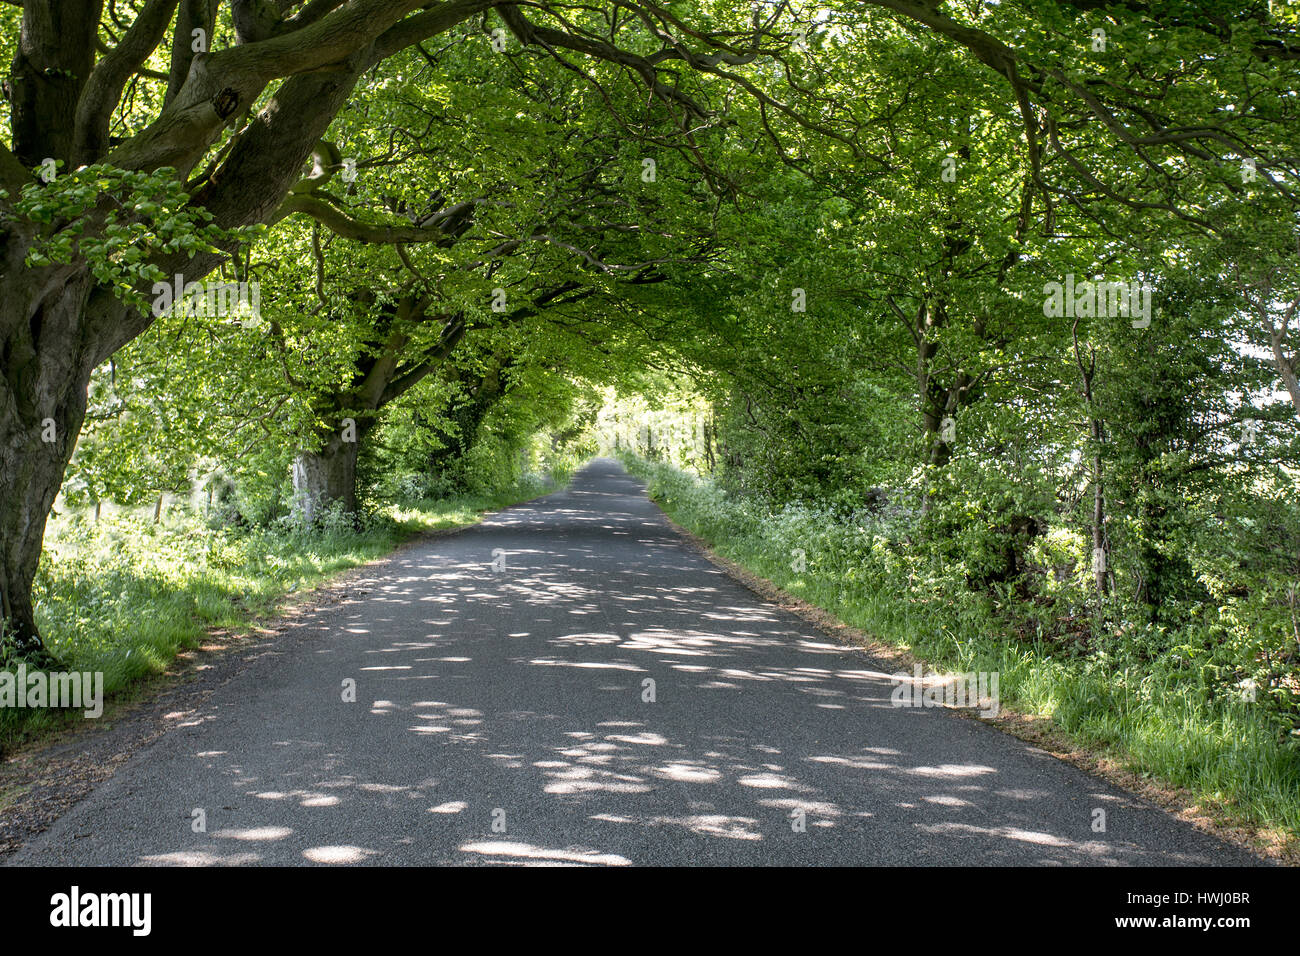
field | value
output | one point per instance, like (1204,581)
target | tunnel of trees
(1013,284)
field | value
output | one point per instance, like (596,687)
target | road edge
(49,775)
(1038,731)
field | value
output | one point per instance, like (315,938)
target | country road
(500,718)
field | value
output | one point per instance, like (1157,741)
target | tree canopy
(1025,272)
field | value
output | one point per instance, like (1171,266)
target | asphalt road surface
(501,718)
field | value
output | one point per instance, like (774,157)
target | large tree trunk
(55,55)
(322,478)
(55,324)
(46,370)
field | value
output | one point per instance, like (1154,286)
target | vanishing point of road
(502,715)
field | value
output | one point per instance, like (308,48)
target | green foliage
(119,221)
(123,594)
(1180,717)
(830,297)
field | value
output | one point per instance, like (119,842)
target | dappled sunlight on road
(600,696)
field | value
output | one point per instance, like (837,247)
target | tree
(234,99)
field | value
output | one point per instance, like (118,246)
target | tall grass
(1160,719)
(123,595)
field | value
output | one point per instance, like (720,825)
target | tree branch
(104,88)
(341,224)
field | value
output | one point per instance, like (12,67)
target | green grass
(1156,721)
(124,595)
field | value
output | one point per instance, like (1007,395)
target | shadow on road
(503,715)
